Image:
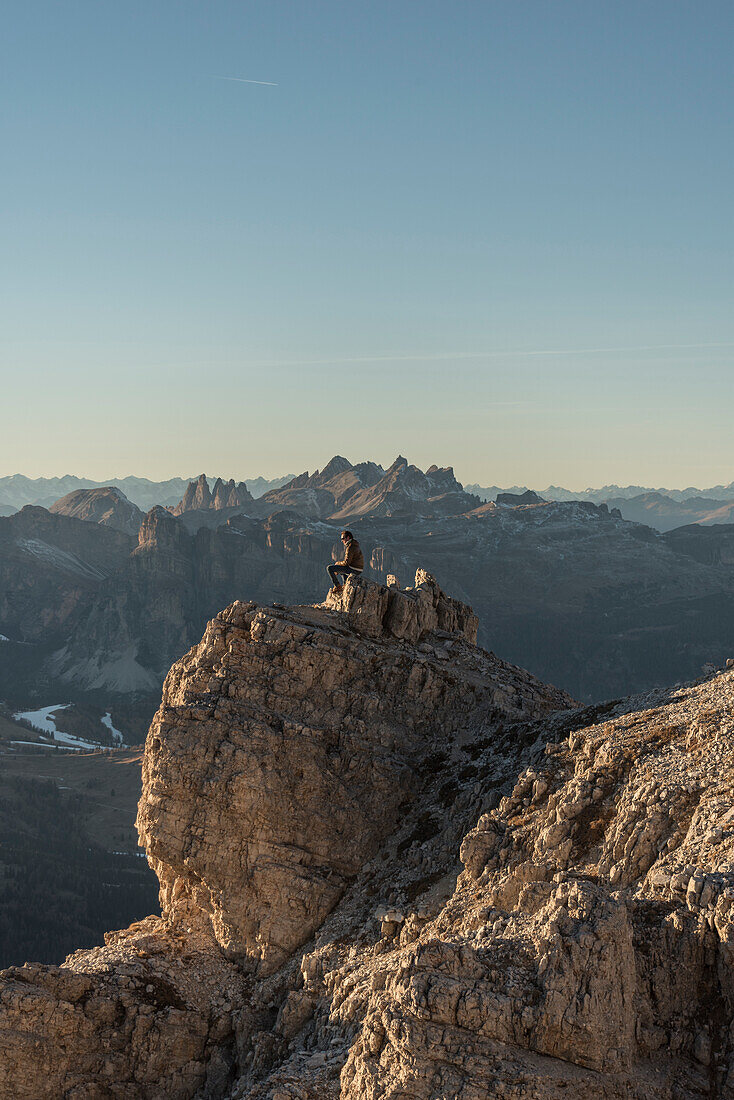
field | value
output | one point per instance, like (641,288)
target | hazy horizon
(497,237)
(211,477)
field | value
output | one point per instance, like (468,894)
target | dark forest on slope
(58,889)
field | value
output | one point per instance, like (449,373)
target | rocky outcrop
(226,494)
(410,615)
(197,496)
(289,745)
(588,947)
(392,867)
(349,712)
(229,495)
(585,948)
(108,506)
(147,1017)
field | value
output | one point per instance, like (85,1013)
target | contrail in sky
(514,354)
(243,80)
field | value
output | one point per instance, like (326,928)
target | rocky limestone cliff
(394,867)
(225,494)
(289,744)
(48,565)
(339,704)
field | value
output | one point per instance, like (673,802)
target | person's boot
(337,589)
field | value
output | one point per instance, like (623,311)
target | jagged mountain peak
(225,494)
(405,489)
(342,490)
(369,472)
(337,465)
(196,497)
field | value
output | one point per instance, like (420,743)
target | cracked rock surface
(289,744)
(394,867)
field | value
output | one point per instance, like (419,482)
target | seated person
(353,562)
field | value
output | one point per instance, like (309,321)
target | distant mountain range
(603,495)
(17,490)
(663,509)
(97,598)
(665,514)
(329,492)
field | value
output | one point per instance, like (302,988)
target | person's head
(346,536)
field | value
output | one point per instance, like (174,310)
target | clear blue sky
(493,235)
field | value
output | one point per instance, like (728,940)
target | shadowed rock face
(517,500)
(142,1018)
(285,729)
(49,566)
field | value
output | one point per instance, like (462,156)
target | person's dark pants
(335,571)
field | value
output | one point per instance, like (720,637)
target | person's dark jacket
(353,556)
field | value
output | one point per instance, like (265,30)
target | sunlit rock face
(225,494)
(108,506)
(289,742)
(393,866)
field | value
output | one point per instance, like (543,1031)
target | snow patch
(59,559)
(41,719)
(73,742)
(3,638)
(107,721)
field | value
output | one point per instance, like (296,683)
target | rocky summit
(224,495)
(395,867)
(108,506)
(344,492)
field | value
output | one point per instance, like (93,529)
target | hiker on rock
(353,562)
